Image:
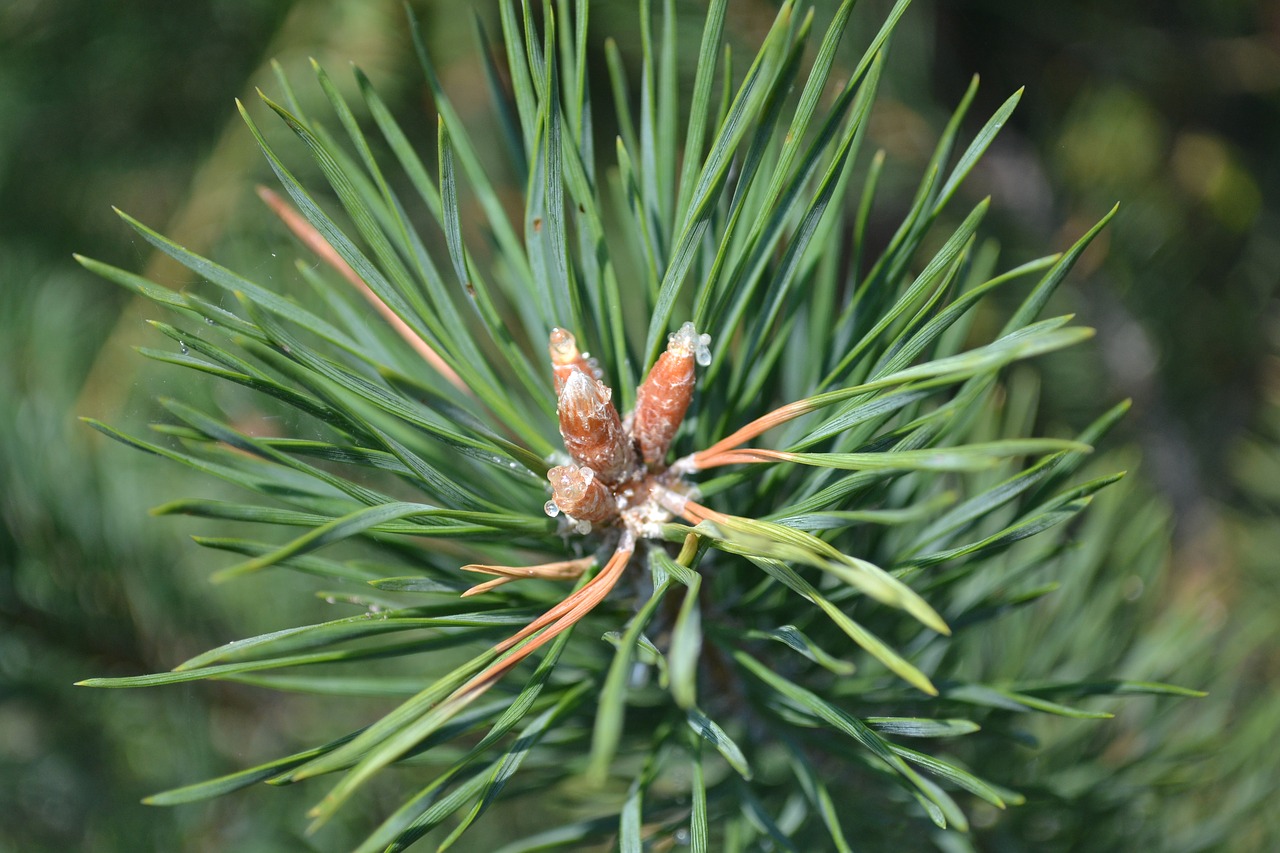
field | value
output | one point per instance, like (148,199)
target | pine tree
(790,491)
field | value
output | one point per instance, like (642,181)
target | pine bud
(565,358)
(664,396)
(591,428)
(576,491)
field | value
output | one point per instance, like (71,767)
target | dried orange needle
(556,620)
(315,241)
(744,455)
(562,570)
(760,425)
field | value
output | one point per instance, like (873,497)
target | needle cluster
(819,607)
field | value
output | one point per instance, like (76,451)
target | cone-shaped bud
(664,396)
(577,492)
(565,358)
(591,428)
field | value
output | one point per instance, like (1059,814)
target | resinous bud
(565,358)
(592,430)
(663,398)
(580,494)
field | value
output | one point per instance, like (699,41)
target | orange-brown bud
(579,493)
(664,396)
(591,428)
(565,358)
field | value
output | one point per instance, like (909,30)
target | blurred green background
(1173,109)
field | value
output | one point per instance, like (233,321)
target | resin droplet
(551,508)
(591,428)
(664,396)
(688,340)
(703,352)
(580,494)
(565,358)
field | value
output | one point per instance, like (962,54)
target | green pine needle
(881,502)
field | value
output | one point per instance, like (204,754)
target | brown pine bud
(565,358)
(591,428)
(576,491)
(664,396)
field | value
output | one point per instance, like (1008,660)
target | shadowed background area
(1171,109)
